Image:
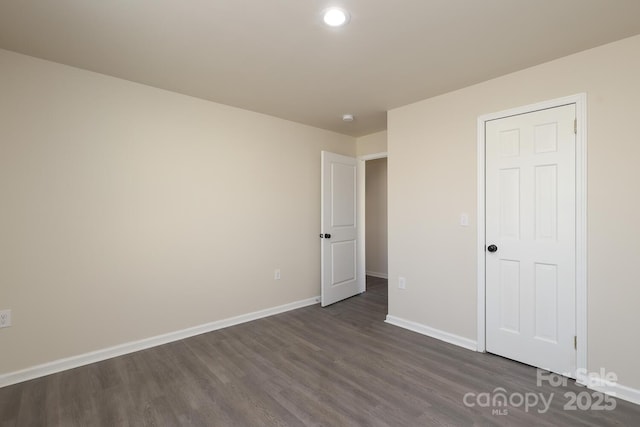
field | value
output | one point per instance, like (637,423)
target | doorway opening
(373,180)
(376,257)
(344,224)
(376,264)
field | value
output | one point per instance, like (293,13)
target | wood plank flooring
(335,366)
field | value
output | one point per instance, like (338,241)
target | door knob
(492,248)
(327,236)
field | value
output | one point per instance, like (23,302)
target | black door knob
(327,236)
(492,248)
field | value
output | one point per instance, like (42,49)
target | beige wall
(372,144)
(128,211)
(376,217)
(432,179)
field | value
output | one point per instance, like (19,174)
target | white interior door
(342,268)
(530,238)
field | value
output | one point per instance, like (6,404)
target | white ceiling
(276,57)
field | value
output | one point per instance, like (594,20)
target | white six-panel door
(530,219)
(342,270)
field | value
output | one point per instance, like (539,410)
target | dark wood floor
(334,366)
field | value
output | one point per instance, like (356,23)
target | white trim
(616,390)
(581,233)
(374,156)
(131,347)
(609,387)
(360,238)
(376,274)
(450,338)
(480,220)
(580,100)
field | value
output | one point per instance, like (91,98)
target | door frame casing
(580,101)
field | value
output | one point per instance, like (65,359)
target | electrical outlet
(402,283)
(5,318)
(276,274)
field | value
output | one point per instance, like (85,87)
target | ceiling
(276,57)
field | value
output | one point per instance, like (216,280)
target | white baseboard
(131,347)
(616,390)
(433,333)
(376,274)
(610,388)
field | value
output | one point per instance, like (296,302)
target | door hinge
(575,126)
(575,342)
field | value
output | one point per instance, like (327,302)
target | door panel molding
(580,101)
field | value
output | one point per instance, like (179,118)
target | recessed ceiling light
(335,17)
(347,117)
